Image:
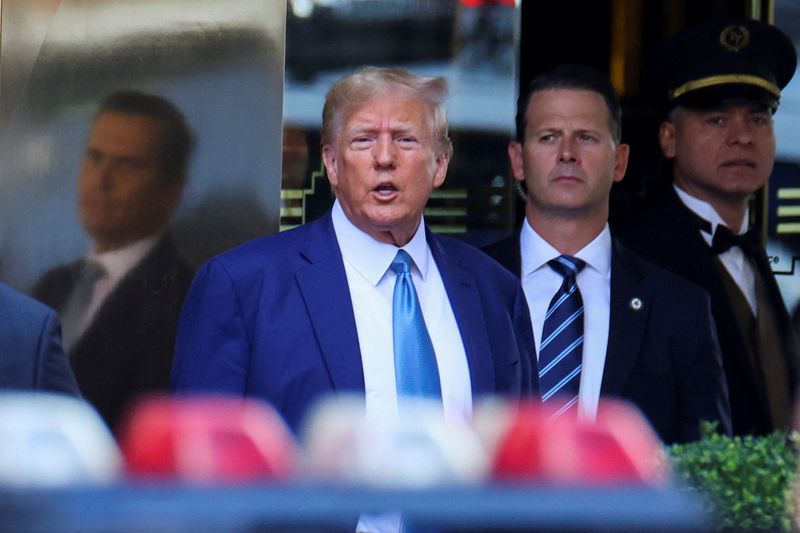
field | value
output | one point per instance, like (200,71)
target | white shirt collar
(117,263)
(707,212)
(536,251)
(372,258)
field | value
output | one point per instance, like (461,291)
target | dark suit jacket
(30,346)
(669,236)
(273,319)
(664,357)
(127,349)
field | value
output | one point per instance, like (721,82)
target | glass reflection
(469,42)
(82,190)
(783,196)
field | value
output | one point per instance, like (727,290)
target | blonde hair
(353,90)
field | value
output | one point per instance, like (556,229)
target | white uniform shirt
(734,260)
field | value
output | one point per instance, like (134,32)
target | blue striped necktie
(416,373)
(561,348)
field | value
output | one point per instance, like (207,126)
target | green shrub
(746,481)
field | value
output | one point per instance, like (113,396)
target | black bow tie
(724,239)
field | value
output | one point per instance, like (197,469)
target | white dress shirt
(371,283)
(734,260)
(116,265)
(540,283)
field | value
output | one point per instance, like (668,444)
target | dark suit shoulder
(667,284)
(475,260)
(55,285)
(500,246)
(506,252)
(164,267)
(665,234)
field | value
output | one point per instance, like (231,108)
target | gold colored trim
(722,79)
(445,211)
(291,211)
(762,193)
(755,9)
(449,193)
(783,229)
(789,193)
(451,229)
(762,10)
(625,57)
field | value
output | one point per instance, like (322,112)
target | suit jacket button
(636,304)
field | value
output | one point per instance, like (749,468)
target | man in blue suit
(640,333)
(31,357)
(294,316)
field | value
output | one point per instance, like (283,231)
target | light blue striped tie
(416,373)
(561,348)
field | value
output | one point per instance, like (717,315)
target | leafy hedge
(747,481)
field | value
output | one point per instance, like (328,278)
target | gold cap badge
(734,38)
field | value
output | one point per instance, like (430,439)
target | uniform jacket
(669,236)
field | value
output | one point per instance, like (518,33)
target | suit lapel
(630,308)
(707,275)
(464,300)
(326,293)
(136,288)
(700,263)
(702,268)
(788,335)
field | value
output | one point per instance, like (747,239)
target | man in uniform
(720,84)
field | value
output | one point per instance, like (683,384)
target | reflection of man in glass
(119,305)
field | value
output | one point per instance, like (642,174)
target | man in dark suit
(312,311)
(120,304)
(719,84)
(31,357)
(637,331)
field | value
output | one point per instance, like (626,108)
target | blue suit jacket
(273,319)
(662,356)
(31,356)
